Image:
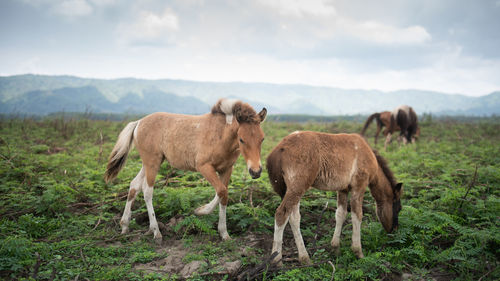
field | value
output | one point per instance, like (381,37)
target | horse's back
(345,159)
(326,161)
(174,137)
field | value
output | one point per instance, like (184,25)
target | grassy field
(60,221)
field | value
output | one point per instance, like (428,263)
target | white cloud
(311,22)
(30,65)
(68,8)
(301,8)
(150,28)
(338,43)
(380,33)
(103,2)
(73,8)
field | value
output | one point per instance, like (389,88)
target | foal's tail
(120,151)
(369,121)
(275,171)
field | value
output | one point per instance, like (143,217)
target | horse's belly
(182,162)
(331,184)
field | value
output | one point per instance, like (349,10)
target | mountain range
(43,94)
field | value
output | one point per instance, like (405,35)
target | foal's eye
(241,140)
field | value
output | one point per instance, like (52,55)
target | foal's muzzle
(255,174)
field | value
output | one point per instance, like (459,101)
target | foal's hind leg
(288,205)
(340,215)
(299,242)
(135,187)
(377,133)
(151,169)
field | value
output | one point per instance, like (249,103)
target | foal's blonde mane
(232,107)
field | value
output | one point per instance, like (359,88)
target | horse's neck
(381,189)
(226,133)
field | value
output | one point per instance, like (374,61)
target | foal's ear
(263,114)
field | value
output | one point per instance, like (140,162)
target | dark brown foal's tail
(275,171)
(120,152)
(369,121)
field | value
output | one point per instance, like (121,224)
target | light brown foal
(209,144)
(343,163)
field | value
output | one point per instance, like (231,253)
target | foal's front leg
(357,217)
(221,196)
(387,140)
(340,215)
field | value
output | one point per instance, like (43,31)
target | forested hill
(39,94)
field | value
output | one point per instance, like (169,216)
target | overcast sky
(451,46)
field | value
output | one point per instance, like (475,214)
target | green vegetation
(60,221)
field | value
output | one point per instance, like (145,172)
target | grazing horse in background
(383,120)
(209,144)
(343,163)
(406,119)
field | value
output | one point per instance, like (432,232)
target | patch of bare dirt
(229,262)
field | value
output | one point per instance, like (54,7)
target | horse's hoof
(305,260)
(336,249)
(277,263)
(158,240)
(200,211)
(277,260)
(358,252)
(226,237)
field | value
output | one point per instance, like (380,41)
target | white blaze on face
(250,164)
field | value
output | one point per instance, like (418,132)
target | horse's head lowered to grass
(388,212)
(388,198)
